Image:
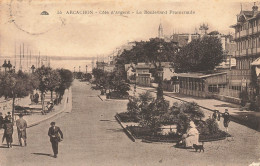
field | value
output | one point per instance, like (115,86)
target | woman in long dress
(192,136)
(8,132)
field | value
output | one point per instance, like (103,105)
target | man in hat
(21,129)
(8,116)
(226,117)
(56,136)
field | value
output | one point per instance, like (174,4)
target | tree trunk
(13,109)
(51,96)
(42,100)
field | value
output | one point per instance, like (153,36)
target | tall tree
(201,54)
(44,75)
(54,82)
(66,77)
(16,85)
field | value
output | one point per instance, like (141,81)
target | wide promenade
(93,137)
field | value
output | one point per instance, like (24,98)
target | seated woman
(191,137)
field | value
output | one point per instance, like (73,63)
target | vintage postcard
(121,82)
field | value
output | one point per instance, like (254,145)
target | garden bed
(124,117)
(146,135)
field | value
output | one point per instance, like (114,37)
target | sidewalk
(36,118)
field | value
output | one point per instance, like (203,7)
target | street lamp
(4,65)
(9,65)
(159,73)
(86,69)
(33,67)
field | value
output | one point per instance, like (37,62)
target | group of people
(54,133)
(226,118)
(8,130)
(35,98)
(191,136)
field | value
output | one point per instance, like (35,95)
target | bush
(244,97)
(253,106)
(117,95)
(209,127)
(184,113)
(133,109)
(126,117)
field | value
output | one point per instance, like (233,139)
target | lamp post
(33,68)
(4,65)
(9,66)
(86,69)
(159,74)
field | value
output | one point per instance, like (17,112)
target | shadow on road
(116,130)
(42,154)
(5,145)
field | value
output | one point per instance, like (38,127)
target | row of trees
(112,81)
(200,54)
(19,85)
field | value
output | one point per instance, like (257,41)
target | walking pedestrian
(56,136)
(226,117)
(21,129)
(8,116)
(1,120)
(8,132)
(218,117)
(214,115)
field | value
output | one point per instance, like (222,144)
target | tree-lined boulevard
(93,137)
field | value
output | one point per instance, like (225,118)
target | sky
(99,34)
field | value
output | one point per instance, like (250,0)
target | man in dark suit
(56,136)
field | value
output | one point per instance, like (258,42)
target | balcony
(244,52)
(255,29)
(250,31)
(243,33)
(249,51)
(240,74)
(236,35)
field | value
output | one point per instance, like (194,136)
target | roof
(256,62)
(197,75)
(248,13)
(143,66)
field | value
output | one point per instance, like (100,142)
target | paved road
(93,137)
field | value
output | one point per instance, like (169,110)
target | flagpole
(20,57)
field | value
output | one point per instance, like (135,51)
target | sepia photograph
(129,83)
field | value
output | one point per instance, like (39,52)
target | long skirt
(9,138)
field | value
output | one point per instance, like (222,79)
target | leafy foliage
(113,81)
(13,85)
(88,76)
(209,127)
(184,113)
(66,78)
(201,54)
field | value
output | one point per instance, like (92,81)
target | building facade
(247,30)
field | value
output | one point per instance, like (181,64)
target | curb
(61,111)
(42,120)
(100,98)
(202,141)
(127,132)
